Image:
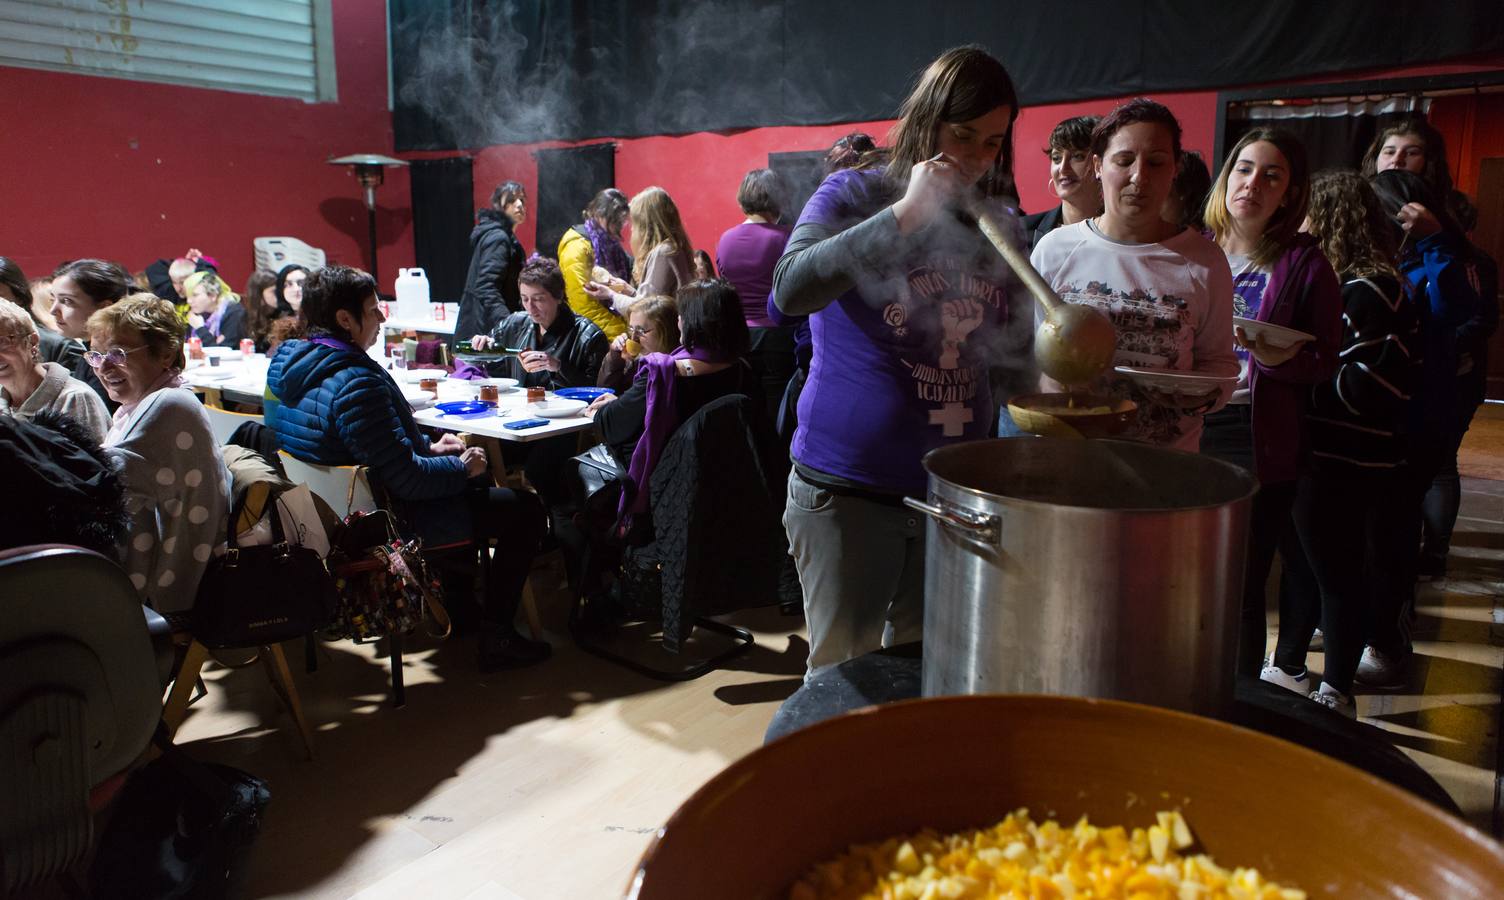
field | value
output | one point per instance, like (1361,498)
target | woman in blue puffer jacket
(338,407)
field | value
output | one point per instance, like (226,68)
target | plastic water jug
(412,294)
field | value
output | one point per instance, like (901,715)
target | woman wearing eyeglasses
(652,327)
(28,385)
(177,489)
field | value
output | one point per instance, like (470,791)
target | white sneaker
(1300,684)
(1336,701)
(1380,669)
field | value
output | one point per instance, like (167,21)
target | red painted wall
(702,171)
(133,171)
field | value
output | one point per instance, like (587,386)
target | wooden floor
(545,784)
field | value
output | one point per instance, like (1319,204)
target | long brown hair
(1283,225)
(962,84)
(1347,219)
(259,316)
(655,220)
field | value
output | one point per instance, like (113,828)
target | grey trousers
(861,564)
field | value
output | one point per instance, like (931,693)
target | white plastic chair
(272,253)
(223,423)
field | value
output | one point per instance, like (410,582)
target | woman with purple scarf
(671,387)
(594,244)
(215,315)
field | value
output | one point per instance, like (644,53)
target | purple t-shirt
(901,361)
(745,257)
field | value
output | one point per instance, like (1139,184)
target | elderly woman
(338,407)
(652,327)
(215,315)
(28,385)
(177,489)
(53,346)
(80,289)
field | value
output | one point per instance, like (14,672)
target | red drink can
(438,312)
(247,347)
(195,348)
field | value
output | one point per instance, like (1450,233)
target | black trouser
(514,519)
(1338,517)
(1397,549)
(1444,497)
(1227,434)
(771,354)
(1267,524)
(545,463)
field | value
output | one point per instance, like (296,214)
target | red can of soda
(247,347)
(195,348)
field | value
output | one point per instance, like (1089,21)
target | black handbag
(254,596)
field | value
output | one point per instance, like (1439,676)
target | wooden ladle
(1075,343)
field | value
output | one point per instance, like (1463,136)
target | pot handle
(982,527)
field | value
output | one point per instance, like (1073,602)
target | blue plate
(588,394)
(466,408)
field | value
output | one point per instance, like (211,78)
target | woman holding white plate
(1166,288)
(1281,279)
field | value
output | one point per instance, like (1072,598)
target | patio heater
(368,170)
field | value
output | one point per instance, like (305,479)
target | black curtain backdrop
(470,73)
(443,213)
(567,180)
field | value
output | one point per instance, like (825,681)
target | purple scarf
(608,251)
(331,341)
(660,370)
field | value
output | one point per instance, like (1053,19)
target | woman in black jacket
(495,260)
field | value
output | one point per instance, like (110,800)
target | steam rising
(472,79)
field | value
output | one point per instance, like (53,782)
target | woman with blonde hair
(177,489)
(29,384)
(661,252)
(215,314)
(652,327)
(1280,276)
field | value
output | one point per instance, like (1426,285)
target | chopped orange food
(1019,858)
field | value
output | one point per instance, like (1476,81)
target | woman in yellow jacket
(593,244)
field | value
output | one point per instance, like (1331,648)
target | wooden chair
(194,657)
(347,489)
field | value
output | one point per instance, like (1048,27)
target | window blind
(278,47)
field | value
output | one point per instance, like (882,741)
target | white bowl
(557,408)
(1278,335)
(1177,381)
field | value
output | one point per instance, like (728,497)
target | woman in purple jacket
(908,309)
(1280,277)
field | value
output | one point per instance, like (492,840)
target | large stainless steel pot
(1084,568)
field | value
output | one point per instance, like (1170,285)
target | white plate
(505,384)
(214,373)
(417,399)
(557,408)
(1175,380)
(415,375)
(1278,335)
